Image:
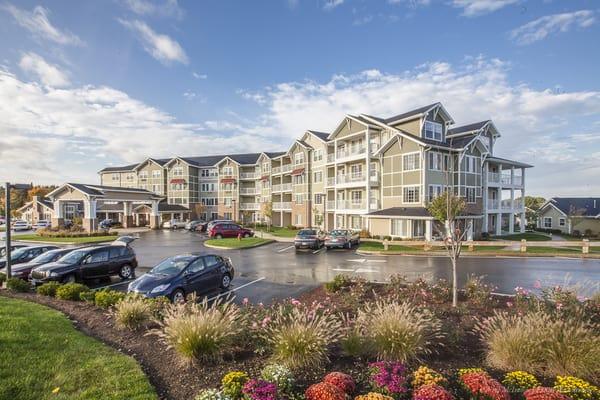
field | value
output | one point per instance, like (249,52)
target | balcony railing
(493,177)
(275,170)
(350,205)
(282,205)
(330,157)
(505,179)
(352,151)
(517,180)
(493,204)
(374,204)
(247,175)
(249,206)
(249,191)
(506,205)
(286,168)
(330,204)
(351,178)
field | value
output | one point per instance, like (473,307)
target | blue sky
(93,83)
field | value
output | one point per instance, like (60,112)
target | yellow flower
(427,376)
(55,390)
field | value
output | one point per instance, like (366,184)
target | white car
(41,224)
(21,226)
(174,224)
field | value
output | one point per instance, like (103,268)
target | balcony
(374,205)
(350,153)
(249,206)
(331,181)
(248,175)
(350,205)
(282,205)
(493,204)
(275,170)
(330,157)
(493,177)
(496,178)
(249,191)
(286,168)
(330,205)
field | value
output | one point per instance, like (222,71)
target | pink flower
(296,303)
(245,301)
(266,321)
(559,306)
(537,284)
(254,325)
(509,304)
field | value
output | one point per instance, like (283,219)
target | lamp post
(7,238)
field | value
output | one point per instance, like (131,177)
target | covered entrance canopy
(104,199)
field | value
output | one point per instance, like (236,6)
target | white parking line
(319,250)
(114,284)
(285,248)
(237,288)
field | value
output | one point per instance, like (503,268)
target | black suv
(26,254)
(88,263)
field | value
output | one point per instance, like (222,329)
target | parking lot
(277,271)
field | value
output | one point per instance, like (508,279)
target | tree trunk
(454,283)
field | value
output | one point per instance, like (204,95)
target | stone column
(58,216)
(523,222)
(511,223)
(90,223)
(498,224)
(428,230)
(127,216)
(154,216)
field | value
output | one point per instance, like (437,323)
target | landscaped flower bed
(397,341)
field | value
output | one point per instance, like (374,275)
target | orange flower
(341,380)
(324,391)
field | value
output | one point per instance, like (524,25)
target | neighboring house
(39,208)
(369,173)
(572,215)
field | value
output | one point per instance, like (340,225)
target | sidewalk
(266,235)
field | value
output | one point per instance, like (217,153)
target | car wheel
(125,272)
(178,296)
(68,279)
(225,281)
(246,235)
(218,236)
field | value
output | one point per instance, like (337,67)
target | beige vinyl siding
(350,127)
(394,178)
(555,215)
(413,126)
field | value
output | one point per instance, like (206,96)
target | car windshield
(338,232)
(15,254)
(307,232)
(171,266)
(73,257)
(45,257)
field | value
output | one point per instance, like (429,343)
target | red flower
(544,393)
(324,391)
(480,384)
(341,380)
(431,392)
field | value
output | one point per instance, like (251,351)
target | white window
(562,222)
(399,227)
(298,219)
(156,173)
(435,191)
(411,194)
(319,198)
(418,228)
(299,198)
(356,197)
(548,222)
(143,175)
(433,130)
(355,222)
(227,201)
(115,177)
(318,155)
(318,177)
(356,170)
(437,161)
(228,171)
(299,179)
(177,171)
(299,158)
(411,161)
(471,164)
(266,167)
(374,143)
(470,194)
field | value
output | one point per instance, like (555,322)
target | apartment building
(369,173)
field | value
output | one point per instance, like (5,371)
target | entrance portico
(106,199)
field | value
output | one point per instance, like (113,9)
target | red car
(228,230)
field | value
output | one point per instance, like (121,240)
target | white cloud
(331,4)
(37,22)
(473,8)
(167,8)
(48,74)
(199,76)
(552,24)
(160,46)
(411,3)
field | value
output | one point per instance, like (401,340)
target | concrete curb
(66,243)
(478,255)
(212,246)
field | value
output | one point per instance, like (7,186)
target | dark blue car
(178,276)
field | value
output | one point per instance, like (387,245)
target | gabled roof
(43,201)
(124,168)
(576,206)
(321,135)
(417,112)
(159,161)
(474,127)
(510,162)
(97,190)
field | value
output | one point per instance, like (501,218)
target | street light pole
(7,238)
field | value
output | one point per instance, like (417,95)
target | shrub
(341,380)
(477,291)
(18,285)
(233,383)
(199,331)
(131,313)
(373,396)
(399,331)
(519,381)
(576,389)
(544,393)
(257,389)
(107,298)
(364,234)
(300,337)
(48,289)
(71,291)
(338,283)
(280,375)
(427,376)
(353,344)
(2,278)
(324,391)
(210,394)
(88,297)
(481,385)
(388,377)
(538,343)
(431,392)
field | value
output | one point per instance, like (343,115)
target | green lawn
(376,246)
(529,236)
(555,250)
(234,243)
(41,352)
(276,231)
(79,240)
(484,248)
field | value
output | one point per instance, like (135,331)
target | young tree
(267,211)
(446,208)
(318,217)
(199,209)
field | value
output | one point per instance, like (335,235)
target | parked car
(23,270)
(229,230)
(106,223)
(25,254)
(178,276)
(309,239)
(20,225)
(42,224)
(89,263)
(174,224)
(342,238)
(12,248)
(201,227)
(191,226)
(218,221)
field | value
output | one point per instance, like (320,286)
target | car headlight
(53,274)
(160,288)
(130,286)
